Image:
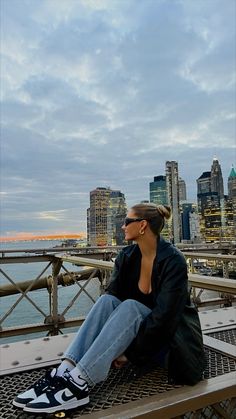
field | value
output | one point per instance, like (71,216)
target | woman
(145,316)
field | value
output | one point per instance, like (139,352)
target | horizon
(33,237)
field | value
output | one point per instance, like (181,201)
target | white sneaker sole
(65,406)
(17,404)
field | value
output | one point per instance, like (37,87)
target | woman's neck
(148,245)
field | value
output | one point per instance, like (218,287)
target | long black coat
(173,321)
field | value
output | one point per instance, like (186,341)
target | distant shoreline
(32,238)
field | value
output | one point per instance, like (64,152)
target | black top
(146,299)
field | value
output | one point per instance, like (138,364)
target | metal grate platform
(122,386)
(228,336)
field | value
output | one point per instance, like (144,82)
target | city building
(217,184)
(232,194)
(182,190)
(115,218)
(99,199)
(157,190)
(232,184)
(203,190)
(88,225)
(105,217)
(190,222)
(172,186)
(185,210)
(194,226)
(208,201)
(228,225)
(158,195)
(217,211)
(212,224)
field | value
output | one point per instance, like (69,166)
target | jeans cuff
(70,357)
(86,376)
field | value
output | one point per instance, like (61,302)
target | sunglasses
(128,220)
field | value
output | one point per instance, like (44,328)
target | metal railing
(53,321)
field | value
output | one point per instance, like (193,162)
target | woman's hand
(120,361)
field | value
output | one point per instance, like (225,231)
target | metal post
(191,266)
(191,270)
(56,266)
(104,276)
(225,269)
(229,297)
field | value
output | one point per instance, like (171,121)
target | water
(25,313)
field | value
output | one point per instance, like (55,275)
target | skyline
(29,236)
(98,94)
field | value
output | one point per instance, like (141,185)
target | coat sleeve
(114,283)
(160,325)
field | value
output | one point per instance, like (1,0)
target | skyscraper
(232,184)
(217,184)
(232,195)
(204,183)
(105,215)
(214,207)
(99,199)
(205,196)
(172,185)
(182,190)
(115,218)
(157,190)
(158,195)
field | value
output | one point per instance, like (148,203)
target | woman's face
(131,228)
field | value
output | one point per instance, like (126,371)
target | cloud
(57,215)
(103,93)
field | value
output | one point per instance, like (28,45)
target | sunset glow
(32,236)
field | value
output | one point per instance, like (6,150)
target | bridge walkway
(132,392)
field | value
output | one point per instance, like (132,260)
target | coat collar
(164,250)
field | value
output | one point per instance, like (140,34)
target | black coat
(173,322)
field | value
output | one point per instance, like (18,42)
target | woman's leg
(92,326)
(118,330)
(116,335)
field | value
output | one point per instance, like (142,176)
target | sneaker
(64,394)
(35,390)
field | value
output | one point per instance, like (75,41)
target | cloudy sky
(102,93)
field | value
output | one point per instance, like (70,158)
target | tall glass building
(172,186)
(157,190)
(217,211)
(105,217)
(158,195)
(182,190)
(232,196)
(115,218)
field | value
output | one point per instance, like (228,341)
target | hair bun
(164,210)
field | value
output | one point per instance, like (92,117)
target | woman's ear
(143,226)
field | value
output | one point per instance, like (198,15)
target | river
(25,312)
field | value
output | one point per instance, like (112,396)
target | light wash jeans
(108,330)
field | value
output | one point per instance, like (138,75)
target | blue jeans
(107,331)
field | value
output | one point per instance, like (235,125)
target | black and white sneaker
(65,394)
(35,390)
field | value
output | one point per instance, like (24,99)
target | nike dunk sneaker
(64,394)
(35,390)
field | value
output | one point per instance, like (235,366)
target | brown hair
(154,214)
